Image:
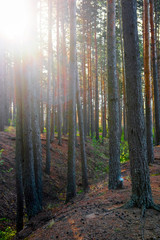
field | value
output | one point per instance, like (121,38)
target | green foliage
(8,234)
(12,122)
(100,129)
(100,161)
(80,191)
(1,161)
(107,169)
(153,132)
(124,152)
(9,170)
(4,220)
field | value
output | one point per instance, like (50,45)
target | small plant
(124,152)
(8,234)
(128,177)
(1,161)
(9,170)
(80,191)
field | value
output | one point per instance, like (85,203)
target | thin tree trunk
(64,76)
(82,139)
(96,86)
(71,186)
(155,75)
(19,146)
(37,151)
(53,113)
(48,123)
(2,102)
(59,82)
(123,74)
(84,83)
(147,75)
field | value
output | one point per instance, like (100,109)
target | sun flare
(14,19)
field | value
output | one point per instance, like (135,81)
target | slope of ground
(94,215)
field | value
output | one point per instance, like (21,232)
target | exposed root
(129,204)
(155,207)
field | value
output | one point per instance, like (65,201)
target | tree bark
(48,122)
(155,75)
(113,123)
(19,145)
(2,96)
(96,86)
(59,82)
(141,190)
(71,176)
(147,75)
(82,138)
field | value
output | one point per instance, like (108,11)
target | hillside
(94,215)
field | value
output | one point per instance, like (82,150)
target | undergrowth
(8,234)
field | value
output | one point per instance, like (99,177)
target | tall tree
(48,123)
(96,79)
(2,96)
(59,80)
(71,186)
(147,75)
(19,145)
(113,105)
(82,138)
(155,74)
(28,147)
(141,190)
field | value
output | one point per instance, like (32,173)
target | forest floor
(95,215)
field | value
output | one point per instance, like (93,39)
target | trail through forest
(94,215)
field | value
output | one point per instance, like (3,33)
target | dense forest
(79,119)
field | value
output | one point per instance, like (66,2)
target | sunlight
(14,19)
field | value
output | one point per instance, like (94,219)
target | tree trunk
(31,198)
(147,75)
(48,122)
(82,139)
(96,86)
(2,96)
(141,190)
(123,74)
(64,76)
(155,75)
(59,82)
(37,151)
(71,187)
(113,123)
(84,82)
(19,145)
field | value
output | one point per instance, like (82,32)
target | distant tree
(113,105)
(59,78)
(19,143)
(2,95)
(48,123)
(71,179)
(82,138)
(141,190)
(147,75)
(96,77)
